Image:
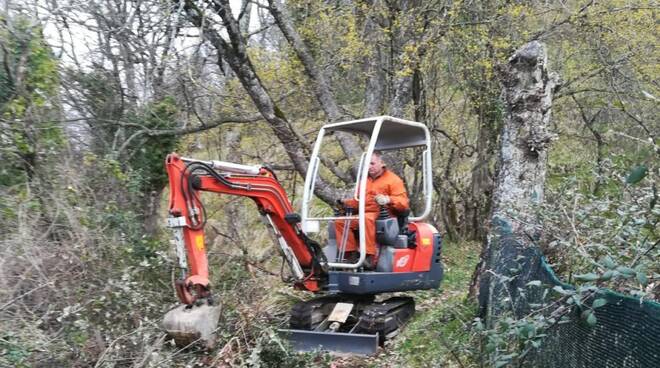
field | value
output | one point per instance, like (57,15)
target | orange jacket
(387,183)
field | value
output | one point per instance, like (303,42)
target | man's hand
(382,199)
(348,204)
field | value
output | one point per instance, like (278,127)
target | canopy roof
(394,133)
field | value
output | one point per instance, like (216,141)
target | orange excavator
(349,315)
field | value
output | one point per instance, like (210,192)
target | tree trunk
(511,254)
(235,54)
(481,182)
(376,86)
(320,84)
(448,208)
(152,212)
(404,19)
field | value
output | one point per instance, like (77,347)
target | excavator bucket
(188,325)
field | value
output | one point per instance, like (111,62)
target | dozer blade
(188,325)
(336,342)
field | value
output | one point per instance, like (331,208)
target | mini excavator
(348,315)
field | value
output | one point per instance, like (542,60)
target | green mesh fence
(626,334)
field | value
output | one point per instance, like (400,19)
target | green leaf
(642,279)
(587,277)
(607,275)
(636,175)
(640,268)
(626,270)
(529,330)
(598,303)
(577,300)
(534,283)
(478,325)
(562,291)
(608,262)
(490,347)
(591,320)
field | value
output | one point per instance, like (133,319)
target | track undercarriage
(347,323)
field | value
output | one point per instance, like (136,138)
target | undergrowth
(440,334)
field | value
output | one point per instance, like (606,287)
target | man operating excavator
(384,188)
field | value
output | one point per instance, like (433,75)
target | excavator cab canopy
(384,133)
(392,134)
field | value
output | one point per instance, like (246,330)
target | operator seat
(390,232)
(393,231)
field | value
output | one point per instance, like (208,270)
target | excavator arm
(187,217)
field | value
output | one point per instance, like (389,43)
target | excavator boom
(197,317)
(187,217)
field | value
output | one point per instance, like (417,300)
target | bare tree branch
(320,84)
(235,54)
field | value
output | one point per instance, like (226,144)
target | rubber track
(309,314)
(386,318)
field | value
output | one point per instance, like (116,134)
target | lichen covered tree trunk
(511,256)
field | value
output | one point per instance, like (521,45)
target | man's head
(376,165)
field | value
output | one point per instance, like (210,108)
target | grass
(439,334)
